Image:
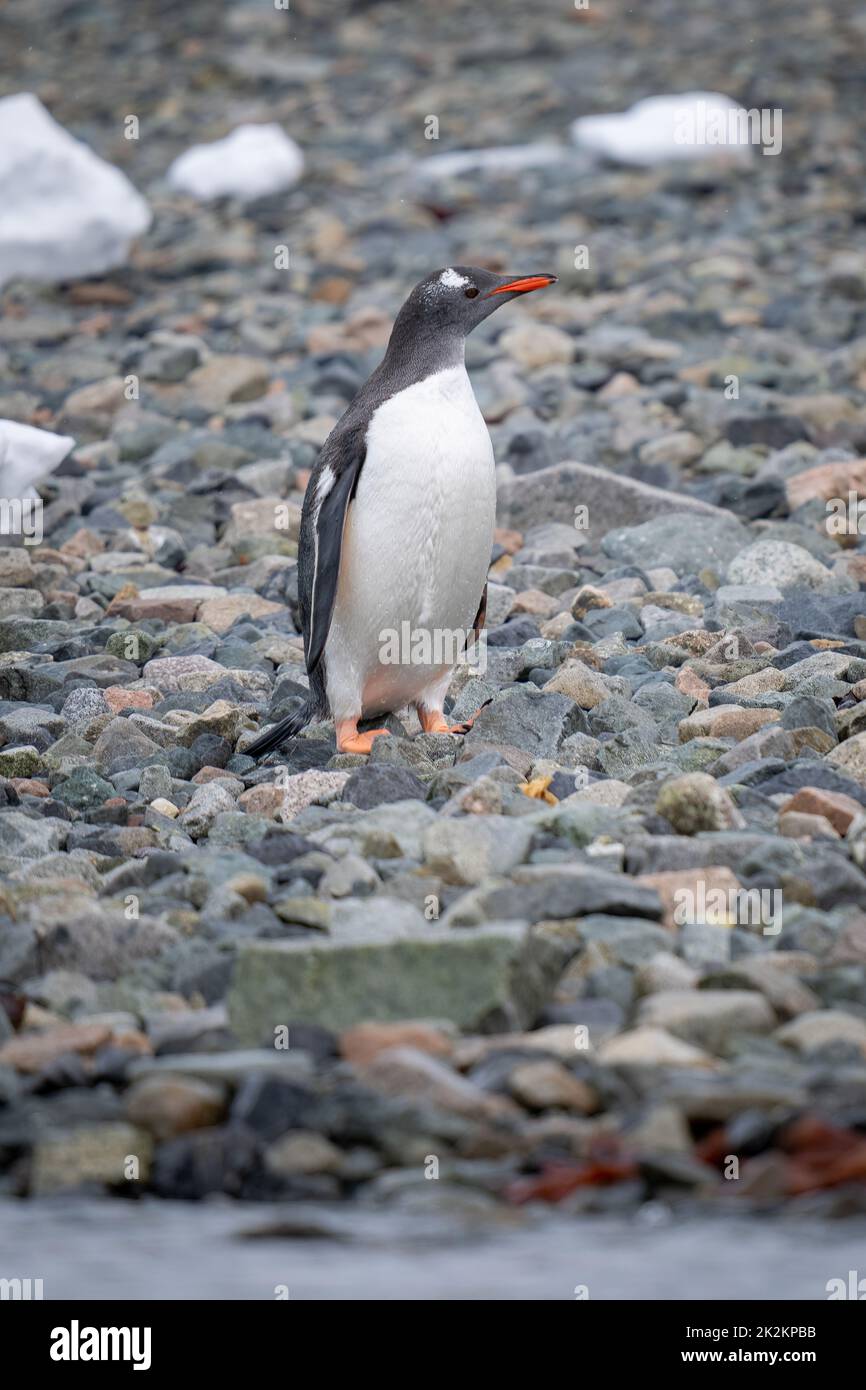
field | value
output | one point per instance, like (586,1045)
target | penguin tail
(287,728)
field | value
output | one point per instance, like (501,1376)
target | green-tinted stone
(495,977)
(83,789)
(132,645)
(24,761)
(111,1154)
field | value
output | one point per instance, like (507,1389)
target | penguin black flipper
(330,489)
(323,522)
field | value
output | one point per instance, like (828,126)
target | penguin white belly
(416,548)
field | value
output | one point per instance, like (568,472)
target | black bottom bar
(155,1338)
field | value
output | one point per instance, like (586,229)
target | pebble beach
(603,957)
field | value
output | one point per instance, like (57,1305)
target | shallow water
(89,1249)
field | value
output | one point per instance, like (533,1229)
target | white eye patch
(451,280)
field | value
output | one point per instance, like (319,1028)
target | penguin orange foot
(350,741)
(433,721)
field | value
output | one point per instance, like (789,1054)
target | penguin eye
(471,292)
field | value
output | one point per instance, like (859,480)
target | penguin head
(457,298)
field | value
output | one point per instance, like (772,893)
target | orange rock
(264,800)
(368,328)
(126,591)
(83,543)
(365,1041)
(810,1131)
(688,682)
(95,326)
(511,541)
(535,602)
(725,721)
(406,1072)
(547,1084)
(799,825)
(133,1041)
(209,774)
(137,610)
(221,613)
(702,883)
(824,1155)
(169,1105)
(587,598)
(118,698)
(620,384)
(559,1180)
(28,786)
(738,721)
(714,1147)
(836,807)
(99,292)
(30,1052)
(334,289)
(826,481)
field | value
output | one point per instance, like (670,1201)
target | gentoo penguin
(397,522)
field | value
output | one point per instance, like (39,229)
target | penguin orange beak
(529,282)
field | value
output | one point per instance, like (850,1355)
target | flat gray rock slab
(491,978)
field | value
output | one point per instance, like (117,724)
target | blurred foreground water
(85,1249)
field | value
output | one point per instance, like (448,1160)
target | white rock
(311,788)
(252,162)
(822,1028)
(206,803)
(653,1047)
(496,159)
(690,125)
(28,454)
(64,212)
(786,566)
(534,344)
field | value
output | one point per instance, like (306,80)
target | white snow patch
(26,455)
(690,125)
(495,159)
(64,212)
(451,280)
(252,162)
